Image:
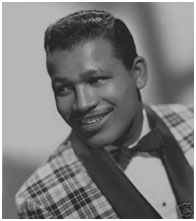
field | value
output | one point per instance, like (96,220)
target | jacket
(62,188)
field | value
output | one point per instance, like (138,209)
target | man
(122,159)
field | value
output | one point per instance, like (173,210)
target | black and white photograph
(97,110)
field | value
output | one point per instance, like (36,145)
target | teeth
(92,120)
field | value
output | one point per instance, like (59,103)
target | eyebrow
(62,80)
(86,75)
(92,73)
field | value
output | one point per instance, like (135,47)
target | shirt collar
(145,128)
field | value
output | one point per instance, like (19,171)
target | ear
(140,72)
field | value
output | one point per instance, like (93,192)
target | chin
(100,142)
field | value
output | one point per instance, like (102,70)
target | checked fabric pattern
(62,189)
(180,121)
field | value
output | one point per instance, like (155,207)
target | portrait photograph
(97,110)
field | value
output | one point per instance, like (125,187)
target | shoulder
(180,121)
(61,188)
(168,112)
(46,187)
(49,170)
(178,118)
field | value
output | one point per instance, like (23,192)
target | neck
(133,132)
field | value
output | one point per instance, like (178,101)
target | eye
(63,90)
(97,80)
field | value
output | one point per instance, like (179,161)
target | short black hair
(80,27)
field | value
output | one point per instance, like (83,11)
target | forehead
(89,52)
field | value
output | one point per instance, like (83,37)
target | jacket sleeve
(30,209)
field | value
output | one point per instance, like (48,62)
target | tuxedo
(69,185)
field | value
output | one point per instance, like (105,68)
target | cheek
(64,107)
(123,96)
(120,93)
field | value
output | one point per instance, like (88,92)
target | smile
(94,119)
(93,122)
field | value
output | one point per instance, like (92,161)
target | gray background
(32,128)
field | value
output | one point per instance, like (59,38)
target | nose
(85,99)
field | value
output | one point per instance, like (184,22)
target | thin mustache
(81,116)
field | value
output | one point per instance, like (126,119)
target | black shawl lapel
(178,169)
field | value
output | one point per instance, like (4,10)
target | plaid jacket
(61,188)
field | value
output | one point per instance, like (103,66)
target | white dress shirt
(148,175)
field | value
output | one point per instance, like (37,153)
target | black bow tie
(151,143)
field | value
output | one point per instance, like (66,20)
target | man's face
(94,92)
